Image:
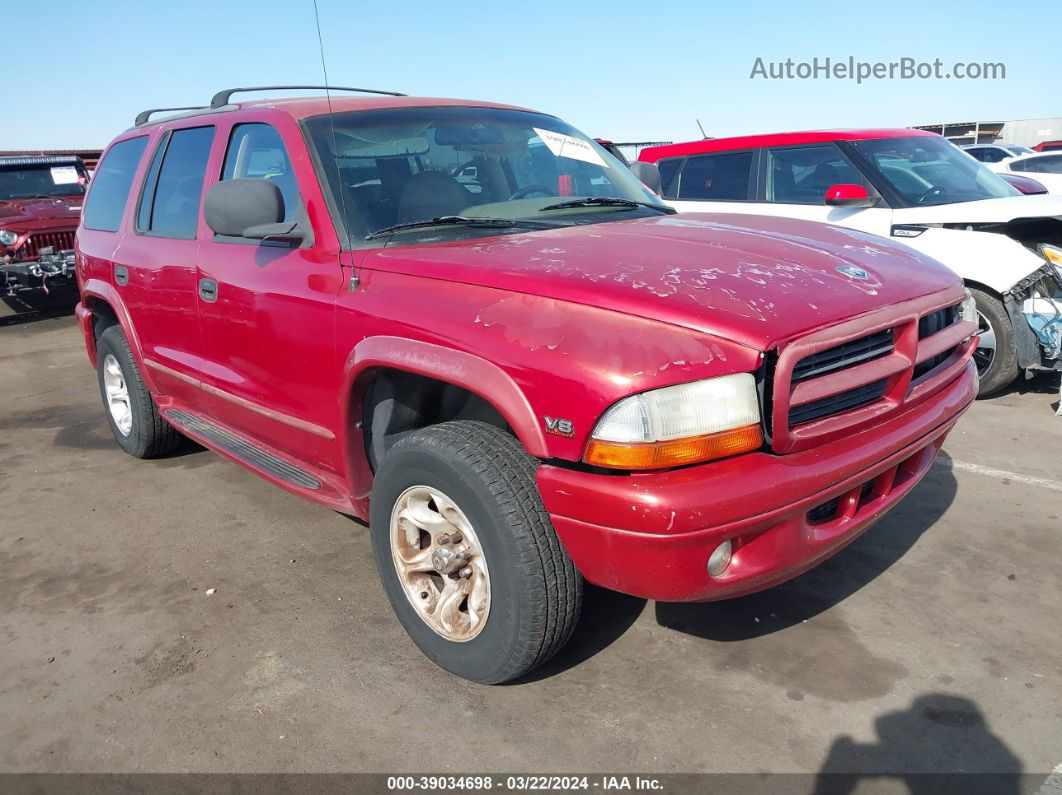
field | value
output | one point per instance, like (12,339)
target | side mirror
(648,174)
(849,196)
(251,208)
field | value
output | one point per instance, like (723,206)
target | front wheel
(996,355)
(467,554)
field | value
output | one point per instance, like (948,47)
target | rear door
(713,182)
(268,318)
(155,265)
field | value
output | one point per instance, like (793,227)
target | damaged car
(468,324)
(914,187)
(40,204)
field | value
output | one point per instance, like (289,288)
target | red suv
(470,325)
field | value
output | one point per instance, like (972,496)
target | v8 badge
(559,427)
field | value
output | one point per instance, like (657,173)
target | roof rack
(143,116)
(222,97)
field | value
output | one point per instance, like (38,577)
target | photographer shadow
(941,743)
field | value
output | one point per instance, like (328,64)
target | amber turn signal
(673,453)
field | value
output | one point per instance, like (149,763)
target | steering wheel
(936,190)
(536,188)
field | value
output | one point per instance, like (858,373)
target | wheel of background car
(936,190)
(131,411)
(996,355)
(467,554)
(523,192)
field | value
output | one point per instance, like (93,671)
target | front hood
(995,211)
(23,213)
(756,280)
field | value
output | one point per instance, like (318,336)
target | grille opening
(938,321)
(932,363)
(865,492)
(60,241)
(848,354)
(835,404)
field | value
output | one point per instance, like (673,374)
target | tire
(147,435)
(1003,367)
(535,592)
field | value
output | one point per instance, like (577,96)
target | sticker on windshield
(563,145)
(64,175)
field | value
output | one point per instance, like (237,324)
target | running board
(239,447)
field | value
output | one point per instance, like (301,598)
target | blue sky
(622,70)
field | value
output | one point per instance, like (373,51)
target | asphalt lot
(931,644)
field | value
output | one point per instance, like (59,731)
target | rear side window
(256,151)
(110,185)
(716,177)
(169,206)
(802,175)
(669,169)
(1051,164)
(994,155)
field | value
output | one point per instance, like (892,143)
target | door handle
(121,274)
(208,289)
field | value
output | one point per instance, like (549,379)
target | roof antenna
(332,123)
(704,135)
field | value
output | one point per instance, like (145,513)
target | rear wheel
(467,554)
(996,355)
(131,411)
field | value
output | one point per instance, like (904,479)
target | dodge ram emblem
(853,272)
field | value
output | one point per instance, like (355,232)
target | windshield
(409,165)
(41,180)
(926,170)
(1018,150)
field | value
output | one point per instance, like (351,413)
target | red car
(40,201)
(1048,146)
(523,377)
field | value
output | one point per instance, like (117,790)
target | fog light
(720,559)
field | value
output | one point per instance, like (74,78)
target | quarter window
(716,177)
(669,169)
(802,175)
(256,151)
(169,206)
(106,200)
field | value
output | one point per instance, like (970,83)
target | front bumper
(651,534)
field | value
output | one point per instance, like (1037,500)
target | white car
(996,156)
(909,185)
(1045,168)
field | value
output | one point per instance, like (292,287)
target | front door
(266,316)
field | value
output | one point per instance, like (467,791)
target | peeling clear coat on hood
(755,280)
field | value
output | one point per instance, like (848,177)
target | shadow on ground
(940,743)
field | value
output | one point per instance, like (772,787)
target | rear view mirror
(648,174)
(849,196)
(251,208)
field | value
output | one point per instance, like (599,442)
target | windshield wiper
(460,220)
(607,201)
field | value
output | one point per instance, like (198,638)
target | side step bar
(240,448)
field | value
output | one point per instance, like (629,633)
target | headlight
(7,237)
(1052,254)
(678,425)
(968,309)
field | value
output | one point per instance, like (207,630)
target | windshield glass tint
(926,170)
(45,180)
(395,166)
